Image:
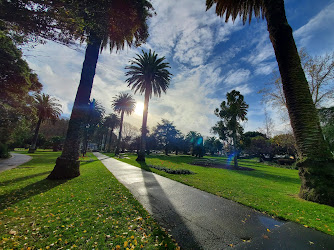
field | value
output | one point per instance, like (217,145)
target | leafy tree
(56,143)
(212,145)
(231,114)
(111,122)
(147,74)
(94,116)
(106,22)
(260,146)
(35,19)
(17,83)
(285,144)
(327,122)
(47,108)
(193,137)
(166,135)
(317,168)
(122,103)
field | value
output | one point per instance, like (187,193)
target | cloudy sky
(208,58)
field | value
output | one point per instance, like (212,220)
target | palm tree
(111,122)
(317,168)
(192,138)
(93,120)
(231,114)
(149,75)
(114,23)
(47,108)
(122,103)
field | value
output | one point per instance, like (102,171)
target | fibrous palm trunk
(119,135)
(141,154)
(34,139)
(316,169)
(67,165)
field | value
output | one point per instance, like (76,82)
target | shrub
(172,171)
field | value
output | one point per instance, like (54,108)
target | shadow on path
(165,213)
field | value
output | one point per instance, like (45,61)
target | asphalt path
(14,161)
(199,220)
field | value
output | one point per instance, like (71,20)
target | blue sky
(208,58)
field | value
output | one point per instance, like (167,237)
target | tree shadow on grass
(33,189)
(270,177)
(165,213)
(12,181)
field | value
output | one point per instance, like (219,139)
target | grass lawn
(268,189)
(92,211)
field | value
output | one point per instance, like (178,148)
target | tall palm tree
(47,108)
(148,74)
(122,103)
(231,114)
(317,168)
(111,122)
(106,22)
(93,120)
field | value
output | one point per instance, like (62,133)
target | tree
(166,135)
(93,119)
(148,74)
(327,122)
(106,22)
(316,170)
(319,72)
(111,122)
(195,140)
(47,108)
(122,103)
(212,145)
(231,114)
(17,84)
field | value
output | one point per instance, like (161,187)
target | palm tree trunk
(110,140)
(141,154)
(119,135)
(34,139)
(67,165)
(316,169)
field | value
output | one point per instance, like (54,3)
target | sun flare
(139,108)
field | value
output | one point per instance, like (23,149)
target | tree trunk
(141,154)
(119,135)
(235,154)
(34,139)
(316,169)
(110,140)
(67,165)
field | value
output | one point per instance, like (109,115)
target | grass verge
(92,211)
(268,189)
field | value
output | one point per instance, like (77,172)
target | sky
(208,58)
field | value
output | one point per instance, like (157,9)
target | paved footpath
(14,161)
(199,220)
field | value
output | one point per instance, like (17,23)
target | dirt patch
(209,164)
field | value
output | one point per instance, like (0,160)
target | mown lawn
(268,189)
(92,211)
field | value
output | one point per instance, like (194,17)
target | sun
(139,108)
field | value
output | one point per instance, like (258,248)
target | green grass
(92,211)
(268,189)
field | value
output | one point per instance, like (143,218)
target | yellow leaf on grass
(268,230)
(125,243)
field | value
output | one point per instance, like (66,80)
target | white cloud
(318,32)
(235,77)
